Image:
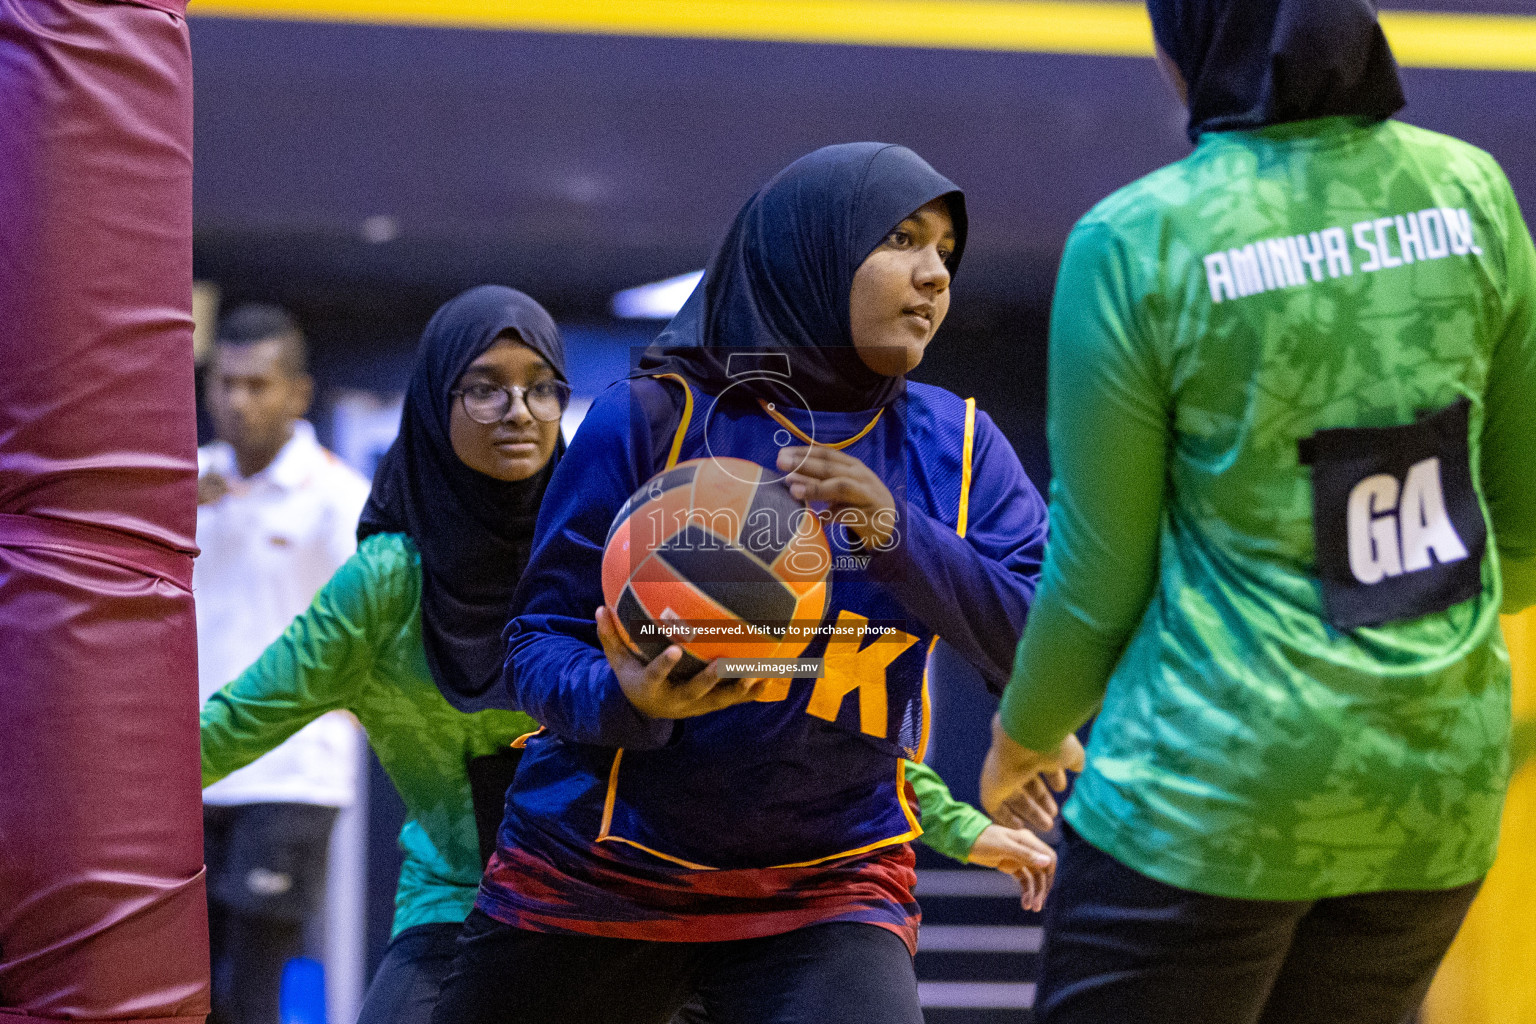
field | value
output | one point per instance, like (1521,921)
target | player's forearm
(567,686)
(306,672)
(976,604)
(235,729)
(1059,676)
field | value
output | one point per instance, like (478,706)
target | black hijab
(780,279)
(1250,63)
(474,532)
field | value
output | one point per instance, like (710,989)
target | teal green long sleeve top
(1208,319)
(358,648)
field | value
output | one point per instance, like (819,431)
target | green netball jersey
(358,648)
(1293,429)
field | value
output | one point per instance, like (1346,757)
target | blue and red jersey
(793,809)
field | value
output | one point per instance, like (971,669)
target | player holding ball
(744,841)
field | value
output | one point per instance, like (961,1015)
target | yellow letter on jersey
(849,668)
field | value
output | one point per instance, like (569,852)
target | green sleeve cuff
(970,829)
(950,827)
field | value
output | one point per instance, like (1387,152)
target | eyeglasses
(489,403)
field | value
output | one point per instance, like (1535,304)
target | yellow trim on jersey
(604,833)
(916,829)
(1485,42)
(522,741)
(613,793)
(913,832)
(682,425)
(904,837)
(963,517)
(784,422)
(656,853)
(913,817)
(922,736)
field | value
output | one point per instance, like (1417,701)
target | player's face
(901,292)
(254,396)
(517,446)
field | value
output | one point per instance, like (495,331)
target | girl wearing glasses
(407,634)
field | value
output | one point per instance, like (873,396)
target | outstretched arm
(314,667)
(1109,431)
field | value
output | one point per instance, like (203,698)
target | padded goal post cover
(102,907)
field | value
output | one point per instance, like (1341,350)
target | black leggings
(840,973)
(405,987)
(1122,947)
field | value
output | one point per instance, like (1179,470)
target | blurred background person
(407,635)
(277,515)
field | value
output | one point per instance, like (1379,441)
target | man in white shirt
(277,515)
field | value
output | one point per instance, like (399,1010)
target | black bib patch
(1397,525)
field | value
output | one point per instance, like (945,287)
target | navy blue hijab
(1250,63)
(474,532)
(780,279)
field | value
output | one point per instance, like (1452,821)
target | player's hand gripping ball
(715,555)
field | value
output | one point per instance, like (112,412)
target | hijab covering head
(474,532)
(1250,63)
(780,279)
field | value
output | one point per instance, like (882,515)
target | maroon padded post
(102,909)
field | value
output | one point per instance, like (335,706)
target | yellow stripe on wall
(1119,29)
(1473,41)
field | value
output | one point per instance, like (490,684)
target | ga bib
(1398,528)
